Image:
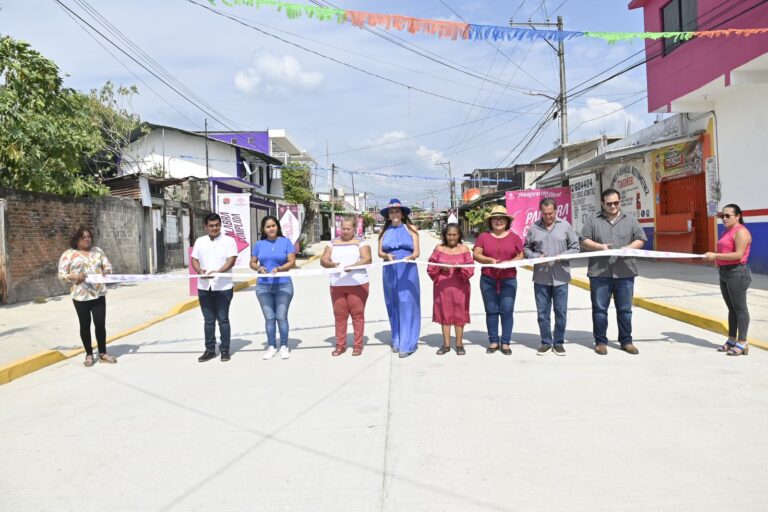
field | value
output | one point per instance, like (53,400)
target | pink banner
(192,280)
(523,205)
(360,226)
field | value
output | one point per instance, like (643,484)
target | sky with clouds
(365,124)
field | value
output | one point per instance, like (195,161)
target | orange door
(688,195)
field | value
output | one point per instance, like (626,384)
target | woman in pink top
(498,286)
(451,293)
(731,260)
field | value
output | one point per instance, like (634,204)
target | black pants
(734,282)
(98,309)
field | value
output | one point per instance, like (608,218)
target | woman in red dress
(451,295)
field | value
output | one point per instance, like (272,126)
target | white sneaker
(270,353)
(285,352)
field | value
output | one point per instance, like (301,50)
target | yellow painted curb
(29,364)
(33,363)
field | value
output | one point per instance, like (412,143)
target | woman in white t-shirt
(349,289)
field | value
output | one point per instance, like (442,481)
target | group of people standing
(611,277)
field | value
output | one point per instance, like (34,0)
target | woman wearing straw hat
(498,286)
(399,240)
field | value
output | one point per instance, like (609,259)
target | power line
(137,77)
(333,59)
(174,89)
(407,45)
(346,50)
(146,58)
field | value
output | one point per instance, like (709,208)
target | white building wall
(742,133)
(179,155)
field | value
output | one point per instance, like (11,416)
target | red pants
(349,301)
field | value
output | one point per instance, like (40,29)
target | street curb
(40,360)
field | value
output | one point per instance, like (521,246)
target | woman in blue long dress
(399,240)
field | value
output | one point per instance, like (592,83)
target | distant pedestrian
(214,253)
(349,288)
(81,259)
(274,253)
(399,240)
(735,277)
(550,236)
(451,287)
(498,285)
(612,275)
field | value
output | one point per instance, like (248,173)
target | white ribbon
(624,253)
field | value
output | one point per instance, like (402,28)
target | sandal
(88,361)
(726,346)
(506,350)
(443,350)
(460,350)
(491,350)
(357,351)
(739,349)
(106,358)
(338,351)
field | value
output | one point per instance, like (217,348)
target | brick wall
(38,228)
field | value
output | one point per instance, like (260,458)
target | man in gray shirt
(550,236)
(612,275)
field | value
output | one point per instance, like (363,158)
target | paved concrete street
(679,427)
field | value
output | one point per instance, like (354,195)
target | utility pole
(333,203)
(562,99)
(354,194)
(452,184)
(207,171)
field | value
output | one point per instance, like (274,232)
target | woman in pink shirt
(731,260)
(498,286)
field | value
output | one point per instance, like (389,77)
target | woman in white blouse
(349,289)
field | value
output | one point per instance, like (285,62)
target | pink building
(725,79)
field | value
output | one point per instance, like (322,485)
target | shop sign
(677,161)
(633,182)
(584,199)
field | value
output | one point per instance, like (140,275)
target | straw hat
(498,211)
(395,203)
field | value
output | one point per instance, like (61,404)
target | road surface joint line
(30,364)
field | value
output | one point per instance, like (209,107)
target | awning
(633,150)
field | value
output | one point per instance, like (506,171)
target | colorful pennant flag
(454,30)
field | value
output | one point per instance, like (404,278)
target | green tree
(476,217)
(297,189)
(46,130)
(111,109)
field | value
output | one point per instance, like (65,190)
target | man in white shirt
(214,253)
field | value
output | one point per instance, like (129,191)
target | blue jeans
(601,290)
(546,297)
(274,300)
(215,306)
(499,304)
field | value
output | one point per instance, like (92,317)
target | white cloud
(602,116)
(276,75)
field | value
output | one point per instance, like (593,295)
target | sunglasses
(725,215)
(612,203)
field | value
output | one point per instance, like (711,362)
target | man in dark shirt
(612,275)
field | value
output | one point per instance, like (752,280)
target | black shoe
(543,349)
(225,355)
(559,349)
(207,356)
